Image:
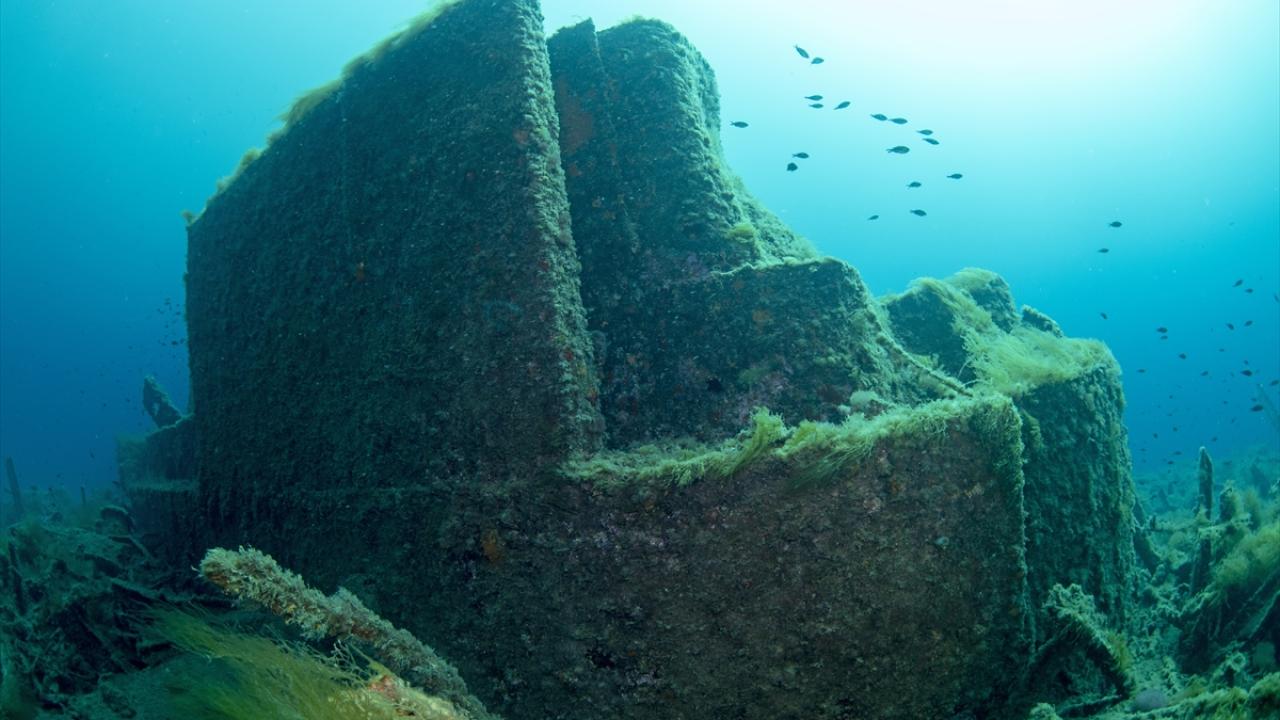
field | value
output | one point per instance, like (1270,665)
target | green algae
(816,453)
(250,676)
(679,463)
(1008,359)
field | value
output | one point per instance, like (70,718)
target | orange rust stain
(577,126)
(492,547)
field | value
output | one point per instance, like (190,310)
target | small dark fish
(1164,337)
(814,98)
(925,132)
(1249,290)
(801,155)
(880,116)
(1142,370)
(1273,383)
(1104,315)
(1247,323)
(874,217)
(816,61)
(792,167)
(738,124)
(1238,283)
(1114,223)
(843,104)
(815,105)
(899,150)
(1230,326)
(919,213)
(1182,356)
(1256,408)
(1204,373)
(931,141)
(1247,373)
(1162,329)
(1104,251)
(898,121)
(913,184)
(802,52)
(955,176)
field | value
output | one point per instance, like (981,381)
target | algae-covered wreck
(491,336)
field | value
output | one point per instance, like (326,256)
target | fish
(843,104)
(880,116)
(1104,251)
(1114,223)
(1247,323)
(955,176)
(919,213)
(1273,383)
(1104,315)
(792,167)
(801,155)
(1238,283)
(1247,373)
(739,124)
(815,105)
(926,131)
(1162,330)
(931,141)
(1182,356)
(1142,370)
(874,217)
(815,98)
(1204,373)
(899,150)
(1256,408)
(802,52)
(898,121)
(1249,290)
(1164,337)
(1230,326)
(914,184)
(816,61)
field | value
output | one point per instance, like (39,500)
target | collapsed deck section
(389,294)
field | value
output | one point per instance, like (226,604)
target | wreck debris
(253,575)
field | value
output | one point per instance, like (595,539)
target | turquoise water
(1062,117)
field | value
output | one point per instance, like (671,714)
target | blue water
(114,117)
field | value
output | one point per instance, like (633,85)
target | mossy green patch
(1011,362)
(743,233)
(1249,565)
(250,676)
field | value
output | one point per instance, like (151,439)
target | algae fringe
(313,98)
(819,453)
